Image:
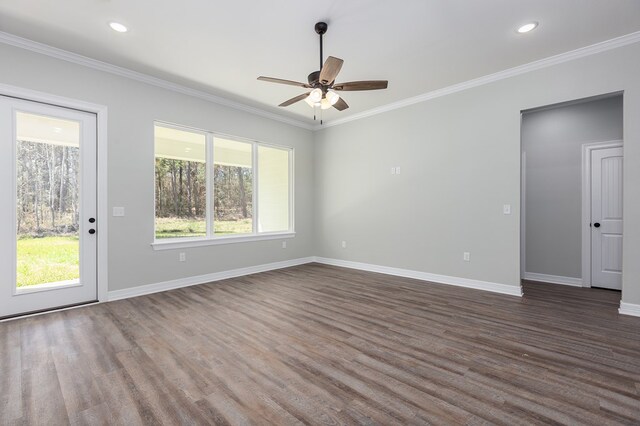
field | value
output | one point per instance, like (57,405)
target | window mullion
(254,194)
(291,183)
(209,187)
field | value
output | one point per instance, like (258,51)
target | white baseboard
(217,276)
(629,309)
(553,279)
(202,279)
(425,276)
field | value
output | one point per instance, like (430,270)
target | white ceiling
(222,46)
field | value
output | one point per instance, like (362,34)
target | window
(211,189)
(181,184)
(233,186)
(273,187)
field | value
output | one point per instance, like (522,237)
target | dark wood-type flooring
(319,344)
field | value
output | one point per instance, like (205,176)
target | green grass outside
(47,259)
(242,226)
(172,227)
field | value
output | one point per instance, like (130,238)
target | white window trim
(178,243)
(211,239)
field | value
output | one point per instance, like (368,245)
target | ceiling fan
(322,83)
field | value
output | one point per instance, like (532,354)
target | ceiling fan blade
(294,100)
(330,70)
(362,85)
(341,105)
(281,81)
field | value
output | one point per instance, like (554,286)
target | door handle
(596,225)
(92,220)
(92,231)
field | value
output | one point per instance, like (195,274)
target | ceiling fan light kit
(315,96)
(323,83)
(332,97)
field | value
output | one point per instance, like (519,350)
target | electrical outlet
(118,211)
(506,209)
(284,244)
(398,170)
(466,256)
(344,244)
(182,257)
(393,170)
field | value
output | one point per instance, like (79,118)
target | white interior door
(48,235)
(606,218)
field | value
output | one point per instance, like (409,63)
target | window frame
(211,239)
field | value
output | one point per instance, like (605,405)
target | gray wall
(552,140)
(460,161)
(132,108)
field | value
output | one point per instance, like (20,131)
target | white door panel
(606,218)
(48,244)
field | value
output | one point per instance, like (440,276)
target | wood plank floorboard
(317,344)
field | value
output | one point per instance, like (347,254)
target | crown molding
(75,58)
(65,55)
(501,75)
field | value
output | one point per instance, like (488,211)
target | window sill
(180,243)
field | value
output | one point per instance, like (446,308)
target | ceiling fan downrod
(321,29)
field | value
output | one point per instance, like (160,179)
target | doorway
(571,224)
(48,217)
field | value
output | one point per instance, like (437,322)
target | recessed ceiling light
(115,26)
(527,27)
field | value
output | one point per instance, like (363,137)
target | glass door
(48,223)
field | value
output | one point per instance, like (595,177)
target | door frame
(523,216)
(101,140)
(587,149)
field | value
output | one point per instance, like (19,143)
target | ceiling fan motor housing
(314,78)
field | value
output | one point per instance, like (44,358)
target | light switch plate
(506,209)
(118,211)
